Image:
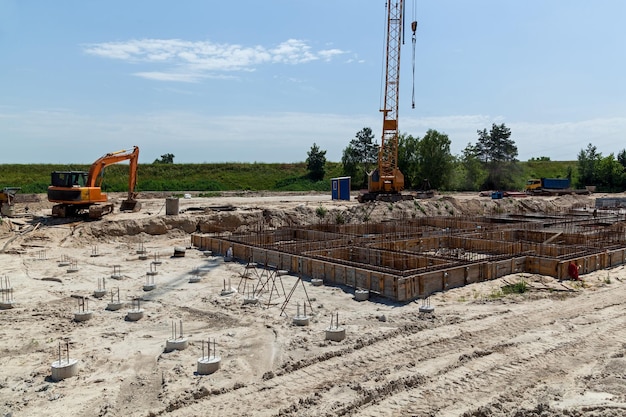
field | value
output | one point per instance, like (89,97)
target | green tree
(316,163)
(588,161)
(610,174)
(469,173)
(359,157)
(167,158)
(621,157)
(428,158)
(498,153)
(435,162)
(408,159)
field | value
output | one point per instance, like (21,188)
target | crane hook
(414,28)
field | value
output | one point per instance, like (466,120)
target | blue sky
(249,81)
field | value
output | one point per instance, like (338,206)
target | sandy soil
(558,349)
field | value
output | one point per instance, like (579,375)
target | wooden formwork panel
(455,278)
(338,272)
(501,268)
(472,273)
(350,277)
(362,279)
(403,290)
(542,266)
(272,258)
(388,285)
(616,257)
(318,270)
(432,282)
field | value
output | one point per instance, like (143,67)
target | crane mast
(386,181)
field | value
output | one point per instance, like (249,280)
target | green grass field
(35,178)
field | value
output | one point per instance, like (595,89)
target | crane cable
(413,40)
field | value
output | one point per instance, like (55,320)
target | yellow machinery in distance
(7,201)
(387,181)
(77,192)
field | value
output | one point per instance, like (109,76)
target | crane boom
(388,152)
(387,181)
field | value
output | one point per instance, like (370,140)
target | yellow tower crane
(387,181)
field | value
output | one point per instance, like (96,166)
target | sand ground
(558,349)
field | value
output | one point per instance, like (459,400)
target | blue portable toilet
(340,188)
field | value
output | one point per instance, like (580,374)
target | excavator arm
(95,175)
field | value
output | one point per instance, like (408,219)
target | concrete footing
(361,295)
(301,320)
(64,368)
(114,305)
(317,282)
(253,300)
(227,291)
(99,293)
(176,344)
(149,287)
(83,315)
(134,315)
(7,305)
(336,334)
(426,309)
(208,364)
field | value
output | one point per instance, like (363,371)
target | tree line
(490,163)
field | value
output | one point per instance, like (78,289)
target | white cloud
(191,61)
(170,76)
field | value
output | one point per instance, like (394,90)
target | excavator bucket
(130,205)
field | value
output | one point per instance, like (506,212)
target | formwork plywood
(431,283)
(318,271)
(616,257)
(351,277)
(455,278)
(472,273)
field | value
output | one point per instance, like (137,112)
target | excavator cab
(68,179)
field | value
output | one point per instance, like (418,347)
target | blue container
(555,183)
(340,188)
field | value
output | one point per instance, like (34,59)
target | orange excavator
(79,192)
